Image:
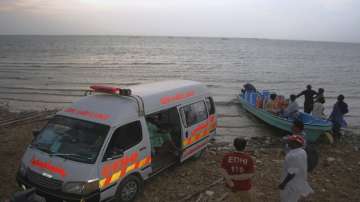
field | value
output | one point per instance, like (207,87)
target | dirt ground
(336,178)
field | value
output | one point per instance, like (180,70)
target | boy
(238,168)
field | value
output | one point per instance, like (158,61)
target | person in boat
(291,111)
(320,94)
(294,183)
(337,116)
(309,98)
(271,105)
(248,87)
(319,109)
(238,168)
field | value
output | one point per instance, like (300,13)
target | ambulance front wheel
(129,189)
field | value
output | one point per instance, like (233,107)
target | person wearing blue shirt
(337,116)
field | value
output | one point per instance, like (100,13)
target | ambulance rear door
(195,133)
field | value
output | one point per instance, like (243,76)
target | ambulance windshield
(71,138)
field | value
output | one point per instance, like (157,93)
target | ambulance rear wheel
(129,189)
(198,154)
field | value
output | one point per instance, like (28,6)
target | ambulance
(105,145)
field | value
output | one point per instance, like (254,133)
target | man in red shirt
(238,168)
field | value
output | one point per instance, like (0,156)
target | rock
(263,151)
(209,193)
(344,194)
(329,185)
(277,161)
(213,149)
(330,159)
(258,162)
(323,190)
(256,153)
(222,197)
(337,151)
(356,148)
(200,198)
(213,153)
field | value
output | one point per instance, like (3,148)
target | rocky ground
(336,178)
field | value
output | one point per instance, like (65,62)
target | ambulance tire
(129,188)
(198,155)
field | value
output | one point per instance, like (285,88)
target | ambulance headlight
(81,188)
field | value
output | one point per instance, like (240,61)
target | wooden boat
(313,126)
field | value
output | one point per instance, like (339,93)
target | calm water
(38,72)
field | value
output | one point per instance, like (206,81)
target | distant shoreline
(180,36)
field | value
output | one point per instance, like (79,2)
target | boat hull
(312,131)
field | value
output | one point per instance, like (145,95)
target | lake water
(38,72)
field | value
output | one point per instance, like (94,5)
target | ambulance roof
(113,109)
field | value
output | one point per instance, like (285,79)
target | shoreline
(335,178)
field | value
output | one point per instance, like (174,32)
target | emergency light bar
(110,90)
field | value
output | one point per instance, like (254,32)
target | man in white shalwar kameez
(294,183)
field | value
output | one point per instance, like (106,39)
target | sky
(316,20)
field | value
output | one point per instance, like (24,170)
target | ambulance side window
(194,113)
(210,105)
(123,139)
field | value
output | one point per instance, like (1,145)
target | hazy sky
(325,20)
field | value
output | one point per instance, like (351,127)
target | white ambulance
(105,145)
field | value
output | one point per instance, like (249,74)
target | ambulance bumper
(56,195)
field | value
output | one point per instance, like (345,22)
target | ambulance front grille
(43,181)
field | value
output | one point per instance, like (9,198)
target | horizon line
(182,36)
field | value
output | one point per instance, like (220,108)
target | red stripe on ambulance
(88,114)
(177,97)
(48,166)
(116,170)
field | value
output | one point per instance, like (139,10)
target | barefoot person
(238,168)
(294,183)
(309,95)
(337,116)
